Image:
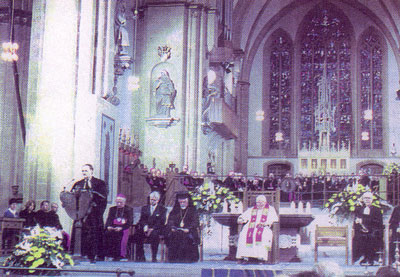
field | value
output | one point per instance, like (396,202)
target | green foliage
(344,203)
(41,248)
(208,200)
(390,167)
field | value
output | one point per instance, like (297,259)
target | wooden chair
(331,236)
(273,198)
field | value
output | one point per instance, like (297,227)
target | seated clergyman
(255,239)
(117,229)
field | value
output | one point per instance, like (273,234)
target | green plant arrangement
(209,199)
(40,248)
(343,204)
(390,168)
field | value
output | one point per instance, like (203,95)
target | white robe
(256,250)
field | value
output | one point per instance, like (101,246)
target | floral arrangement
(390,168)
(40,248)
(210,199)
(344,203)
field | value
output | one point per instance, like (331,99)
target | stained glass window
(371,59)
(280,93)
(325,58)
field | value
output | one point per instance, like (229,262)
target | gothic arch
(372,67)
(324,50)
(278,93)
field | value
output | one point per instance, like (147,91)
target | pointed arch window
(371,91)
(280,93)
(325,67)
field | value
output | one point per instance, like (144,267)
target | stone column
(241,145)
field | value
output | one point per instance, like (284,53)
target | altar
(290,225)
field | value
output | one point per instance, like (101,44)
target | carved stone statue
(165,93)
(121,33)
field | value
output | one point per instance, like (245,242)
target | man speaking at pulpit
(92,224)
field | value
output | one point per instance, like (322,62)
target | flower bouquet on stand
(40,248)
(211,198)
(341,205)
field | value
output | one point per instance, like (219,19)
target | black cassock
(92,239)
(183,247)
(368,239)
(393,225)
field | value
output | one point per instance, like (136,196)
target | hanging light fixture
(10,48)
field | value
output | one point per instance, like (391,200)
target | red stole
(253,226)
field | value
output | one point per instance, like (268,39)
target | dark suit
(154,221)
(368,241)
(93,224)
(116,241)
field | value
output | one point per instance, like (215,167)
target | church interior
(286,87)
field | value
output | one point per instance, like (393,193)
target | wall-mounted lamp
(365,136)
(10,48)
(260,115)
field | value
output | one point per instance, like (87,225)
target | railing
(117,271)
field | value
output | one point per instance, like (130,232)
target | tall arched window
(325,79)
(278,64)
(371,90)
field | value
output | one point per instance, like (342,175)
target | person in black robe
(394,225)
(92,238)
(119,220)
(151,226)
(183,231)
(28,213)
(368,231)
(43,216)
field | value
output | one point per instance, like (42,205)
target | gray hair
(155,194)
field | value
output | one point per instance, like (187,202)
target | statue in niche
(121,33)
(165,93)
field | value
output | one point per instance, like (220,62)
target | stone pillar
(62,112)
(241,145)
(193,92)
(11,142)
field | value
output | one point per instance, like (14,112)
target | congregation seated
(119,220)
(255,239)
(183,230)
(150,227)
(28,213)
(12,212)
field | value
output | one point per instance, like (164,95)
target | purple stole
(125,236)
(252,225)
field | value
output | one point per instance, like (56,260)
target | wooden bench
(331,236)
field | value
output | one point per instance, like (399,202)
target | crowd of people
(179,228)
(293,188)
(46,216)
